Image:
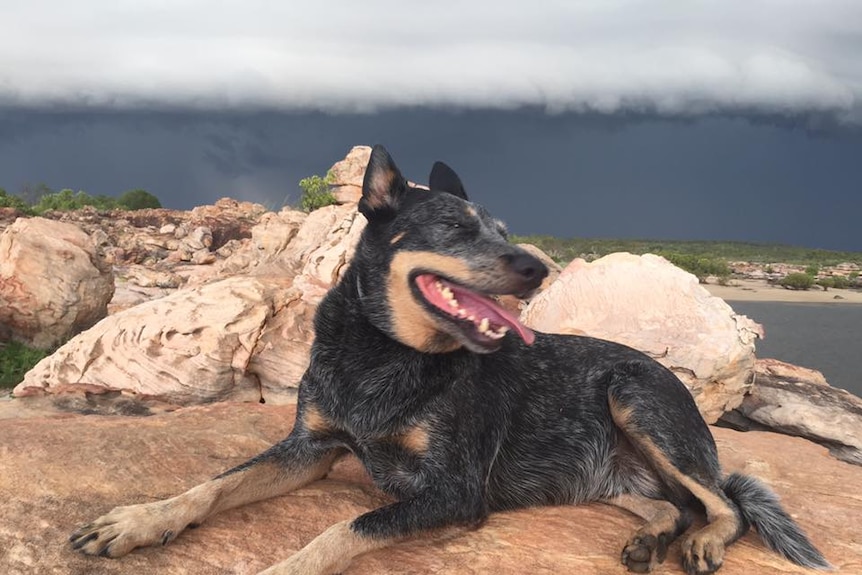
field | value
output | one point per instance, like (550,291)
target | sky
(727,120)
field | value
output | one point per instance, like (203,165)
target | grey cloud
(665,57)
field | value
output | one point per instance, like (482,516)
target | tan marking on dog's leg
(328,553)
(648,546)
(314,420)
(703,551)
(125,528)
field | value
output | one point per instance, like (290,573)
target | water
(826,337)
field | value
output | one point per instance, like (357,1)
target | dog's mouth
(477,316)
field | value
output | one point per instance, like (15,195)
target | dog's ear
(444,179)
(382,186)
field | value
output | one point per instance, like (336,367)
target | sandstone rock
(53,282)
(772,369)
(122,460)
(651,305)
(152,235)
(245,337)
(148,277)
(798,401)
(189,347)
(347,175)
(269,238)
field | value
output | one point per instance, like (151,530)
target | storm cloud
(656,57)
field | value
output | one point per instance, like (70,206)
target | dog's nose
(528,267)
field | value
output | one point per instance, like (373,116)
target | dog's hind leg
(659,417)
(664,523)
(286,466)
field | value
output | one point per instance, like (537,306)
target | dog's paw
(125,528)
(702,554)
(644,551)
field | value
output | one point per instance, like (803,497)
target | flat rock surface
(58,471)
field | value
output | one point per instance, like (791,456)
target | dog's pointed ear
(444,179)
(382,186)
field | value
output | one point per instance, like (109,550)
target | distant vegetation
(565,250)
(316,192)
(797,280)
(38,200)
(16,359)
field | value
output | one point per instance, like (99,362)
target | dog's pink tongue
(475,304)
(485,307)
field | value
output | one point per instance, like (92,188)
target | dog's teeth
(471,318)
(453,302)
(501,331)
(462,312)
(484,325)
(447,293)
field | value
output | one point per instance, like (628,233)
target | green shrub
(840,282)
(700,266)
(12,201)
(66,200)
(813,270)
(826,283)
(316,192)
(16,359)
(798,280)
(138,200)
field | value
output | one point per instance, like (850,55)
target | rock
(147,277)
(772,369)
(347,174)
(53,282)
(152,235)
(798,401)
(244,337)
(57,472)
(192,346)
(269,239)
(651,305)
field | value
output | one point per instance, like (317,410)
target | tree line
(40,199)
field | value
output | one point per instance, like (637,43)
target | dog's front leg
(286,466)
(332,551)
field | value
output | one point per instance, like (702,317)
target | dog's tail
(760,508)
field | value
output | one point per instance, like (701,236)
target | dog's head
(430,262)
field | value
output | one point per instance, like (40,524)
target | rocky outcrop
(123,460)
(150,236)
(798,401)
(649,304)
(346,176)
(246,337)
(54,282)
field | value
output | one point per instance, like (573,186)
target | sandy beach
(757,290)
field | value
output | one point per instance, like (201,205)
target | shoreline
(761,291)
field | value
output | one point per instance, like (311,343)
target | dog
(458,410)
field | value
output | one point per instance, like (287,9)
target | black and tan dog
(457,410)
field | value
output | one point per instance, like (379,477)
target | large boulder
(246,337)
(649,304)
(54,282)
(57,473)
